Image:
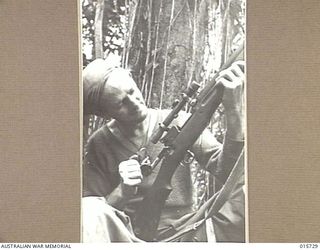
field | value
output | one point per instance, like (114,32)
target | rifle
(177,142)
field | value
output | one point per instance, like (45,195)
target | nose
(134,101)
(134,98)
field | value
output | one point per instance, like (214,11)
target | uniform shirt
(107,147)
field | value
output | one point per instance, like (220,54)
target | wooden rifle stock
(148,214)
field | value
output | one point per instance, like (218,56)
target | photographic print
(163,126)
(163,123)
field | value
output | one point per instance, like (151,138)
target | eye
(131,91)
(118,104)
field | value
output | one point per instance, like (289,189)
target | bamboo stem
(144,82)
(155,53)
(166,55)
(98,36)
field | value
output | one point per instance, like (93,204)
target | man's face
(122,99)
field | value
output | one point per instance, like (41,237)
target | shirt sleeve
(98,177)
(206,147)
(220,165)
(217,158)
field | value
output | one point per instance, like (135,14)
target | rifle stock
(148,214)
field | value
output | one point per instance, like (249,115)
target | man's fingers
(132,182)
(240,63)
(126,176)
(237,70)
(236,67)
(129,165)
(129,169)
(227,74)
(131,162)
(135,175)
(233,76)
(130,172)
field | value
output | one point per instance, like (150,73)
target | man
(114,181)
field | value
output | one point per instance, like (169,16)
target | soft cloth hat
(95,75)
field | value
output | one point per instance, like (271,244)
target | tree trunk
(166,47)
(98,30)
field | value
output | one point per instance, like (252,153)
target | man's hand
(131,175)
(233,82)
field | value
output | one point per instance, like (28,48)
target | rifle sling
(217,202)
